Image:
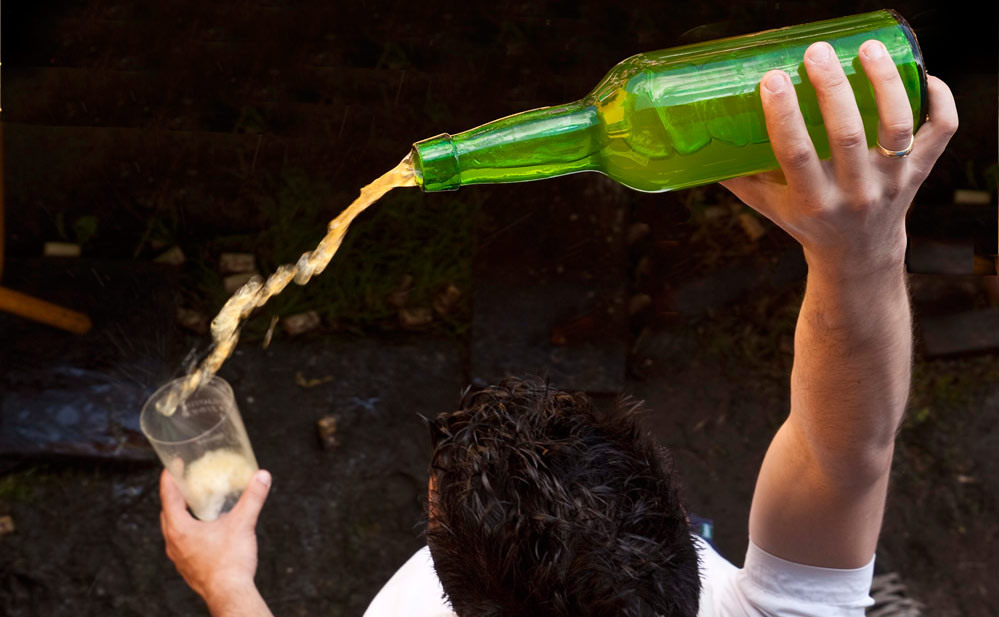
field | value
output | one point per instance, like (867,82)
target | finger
(248,507)
(844,126)
(788,135)
(174,509)
(933,136)
(894,110)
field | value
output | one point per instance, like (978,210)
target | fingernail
(264,478)
(819,52)
(775,82)
(874,50)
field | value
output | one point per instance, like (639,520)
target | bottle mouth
(917,56)
(435,164)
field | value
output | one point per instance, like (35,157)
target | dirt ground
(133,126)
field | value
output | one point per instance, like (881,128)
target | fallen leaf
(303,381)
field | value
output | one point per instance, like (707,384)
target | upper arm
(809,511)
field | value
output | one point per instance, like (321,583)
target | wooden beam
(43,312)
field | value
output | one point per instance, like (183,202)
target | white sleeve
(413,591)
(768,586)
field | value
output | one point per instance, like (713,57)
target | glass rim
(214,381)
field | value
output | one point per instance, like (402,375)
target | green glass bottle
(675,118)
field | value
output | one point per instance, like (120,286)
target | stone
(415,318)
(447,299)
(751,226)
(639,303)
(972,197)
(400,295)
(328,438)
(300,323)
(60,249)
(173,256)
(193,320)
(6,525)
(237,263)
(636,232)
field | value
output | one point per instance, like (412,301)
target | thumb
(761,192)
(248,508)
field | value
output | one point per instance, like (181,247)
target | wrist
(857,269)
(859,305)
(224,591)
(858,275)
(861,260)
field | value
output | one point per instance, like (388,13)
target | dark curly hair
(547,507)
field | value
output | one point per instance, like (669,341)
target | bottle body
(674,118)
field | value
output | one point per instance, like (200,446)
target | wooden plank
(44,312)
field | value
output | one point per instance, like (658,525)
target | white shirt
(766,586)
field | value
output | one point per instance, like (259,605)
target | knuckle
(834,79)
(175,535)
(891,191)
(864,200)
(848,137)
(949,125)
(796,158)
(901,128)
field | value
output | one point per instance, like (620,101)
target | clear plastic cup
(204,446)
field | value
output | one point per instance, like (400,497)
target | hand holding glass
(204,446)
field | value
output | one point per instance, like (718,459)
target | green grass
(402,234)
(944,390)
(17,486)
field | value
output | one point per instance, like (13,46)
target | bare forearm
(853,359)
(821,492)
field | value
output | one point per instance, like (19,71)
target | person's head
(544,506)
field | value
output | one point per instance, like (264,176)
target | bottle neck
(535,144)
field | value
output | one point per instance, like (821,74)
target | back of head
(546,507)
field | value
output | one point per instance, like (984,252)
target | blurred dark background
(123,111)
(138,132)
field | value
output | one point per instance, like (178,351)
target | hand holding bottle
(847,212)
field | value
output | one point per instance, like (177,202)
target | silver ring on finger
(897,154)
